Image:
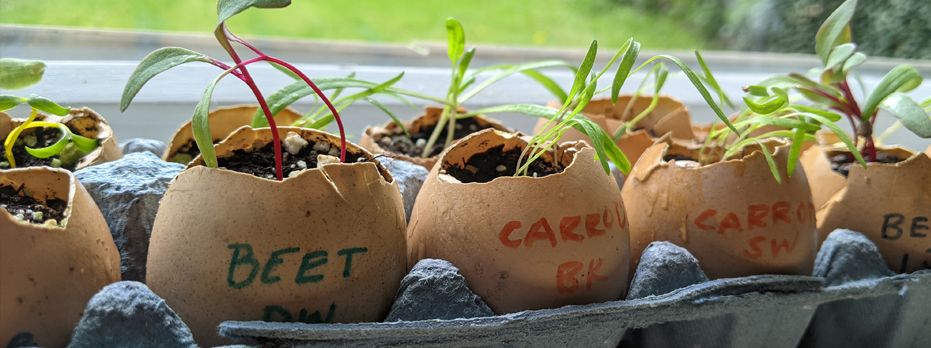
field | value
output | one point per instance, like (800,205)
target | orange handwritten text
(755,216)
(568,273)
(574,228)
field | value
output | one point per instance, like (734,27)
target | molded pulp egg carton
(852,301)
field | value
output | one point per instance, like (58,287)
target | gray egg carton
(853,301)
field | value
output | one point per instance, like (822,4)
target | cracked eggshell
(669,116)
(48,273)
(888,202)
(482,228)
(224,121)
(82,121)
(427,120)
(732,215)
(209,213)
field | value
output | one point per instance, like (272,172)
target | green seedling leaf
(20,73)
(769,161)
(855,60)
(226,9)
(712,82)
(200,124)
(394,118)
(631,50)
(85,144)
(839,55)
(156,63)
(54,149)
(758,91)
(10,101)
(834,117)
(795,150)
(505,70)
(766,105)
(840,135)
(584,69)
(286,71)
(464,66)
(455,37)
(835,30)
(913,117)
(44,104)
(902,78)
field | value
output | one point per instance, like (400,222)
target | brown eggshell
(669,116)
(208,214)
(428,119)
(83,121)
(47,274)
(732,215)
(224,121)
(482,228)
(890,204)
(824,181)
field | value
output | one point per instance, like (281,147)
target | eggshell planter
(48,273)
(732,215)
(780,311)
(669,116)
(223,121)
(326,245)
(889,202)
(82,121)
(524,242)
(426,121)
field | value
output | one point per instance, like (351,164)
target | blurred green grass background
(505,22)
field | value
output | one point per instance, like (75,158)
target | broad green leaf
(44,104)
(913,117)
(631,53)
(835,30)
(156,63)
(54,149)
(455,40)
(902,78)
(226,9)
(20,73)
(10,101)
(758,91)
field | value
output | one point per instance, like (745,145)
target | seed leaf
(10,101)
(44,104)
(200,124)
(20,73)
(902,78)
(156,63)
(54,149)
(455,37)
(913,117)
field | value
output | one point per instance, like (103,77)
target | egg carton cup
(851,302)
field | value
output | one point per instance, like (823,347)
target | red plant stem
(223,66)
(247,78)
(339,122)
(852,102)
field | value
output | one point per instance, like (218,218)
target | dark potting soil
(677,157)
(496,162)
(842,162)
(35,138)
(414,145)
(17,203)
(261,161)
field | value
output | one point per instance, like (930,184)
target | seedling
(585,86)
(66,151)
(829,98)
(164,59)
(464,85)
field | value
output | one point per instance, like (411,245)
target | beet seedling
(17,74)
(829,98)
(166,58)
